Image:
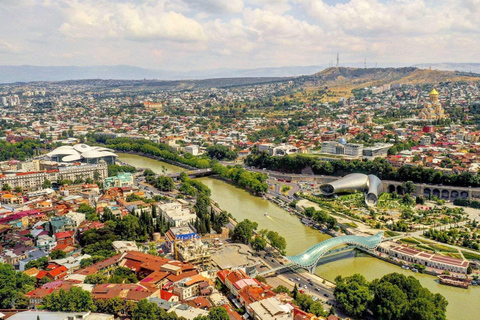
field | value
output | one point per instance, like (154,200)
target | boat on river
(453,281)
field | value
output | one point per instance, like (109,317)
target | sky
(240,34)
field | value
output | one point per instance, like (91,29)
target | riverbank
(158,158)
(242,205)
(250,181)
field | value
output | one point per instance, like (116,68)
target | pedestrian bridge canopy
(309,258)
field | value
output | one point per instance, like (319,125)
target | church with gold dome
(432,110)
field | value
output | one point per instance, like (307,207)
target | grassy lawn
(439,247)
(423,241)
(390,233)
(454,255)
(471,256)
(426,248)
(285,189)
(409,241)
(351,224)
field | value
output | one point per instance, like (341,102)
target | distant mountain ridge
(465,67)
(27,73)
(343,78)
(365,77)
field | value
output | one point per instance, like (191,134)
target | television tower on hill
(338,60)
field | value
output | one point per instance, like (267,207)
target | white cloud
(216,6)
(145,21)
(6,47)
(412,17)
(198,34)
(280,28)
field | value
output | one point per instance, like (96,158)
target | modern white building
(192,149)
(349,149)
(176,214)
(82,153)
(377,150)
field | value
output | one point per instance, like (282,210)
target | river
(463,304)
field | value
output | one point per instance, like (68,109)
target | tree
(148,172)
(128,228)
(389,301)
(90,212)
(243,231)
(422,309)
(281,289)
(295,292)
(306,303)
(259,243)
(107,214)
(353,294)
(21,301)
(39,263)
(145,311)
(216,313)
(57,254)
(409,187)
(164,183)
(46,184)
(6,187)
(221,152)
(73,300)
(277,241)
(86,262)
(113,306)
(18,189)
(469,269)
(96,278)
(123,275)
(309,211)
(419,200)
(44,280)
(13,284)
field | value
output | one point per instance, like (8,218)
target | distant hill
(364,77)
(464,67)
(341,81)
(26,73)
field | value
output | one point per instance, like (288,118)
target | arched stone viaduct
(432,190)
(422,189)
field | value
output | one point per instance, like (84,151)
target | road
(310,284)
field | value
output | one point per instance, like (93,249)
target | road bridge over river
(192,173)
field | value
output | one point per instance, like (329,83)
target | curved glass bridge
(309,258)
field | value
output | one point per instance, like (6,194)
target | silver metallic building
(370,184)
